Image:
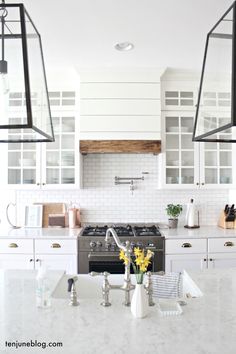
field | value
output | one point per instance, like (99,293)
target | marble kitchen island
(207,325)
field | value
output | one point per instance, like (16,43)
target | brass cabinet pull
(55,245)
(228,244)
(13,245)
(186,245)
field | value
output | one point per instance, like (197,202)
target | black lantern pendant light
(215,119)
(24,103)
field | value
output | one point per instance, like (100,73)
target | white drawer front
(56,246)
(186,246)
(16,246)
(225,245)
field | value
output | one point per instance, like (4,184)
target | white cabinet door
(16,261)
(221,260)
(176,263)
(58,262)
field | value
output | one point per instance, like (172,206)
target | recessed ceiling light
(124,46)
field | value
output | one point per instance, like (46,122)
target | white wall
(102,201)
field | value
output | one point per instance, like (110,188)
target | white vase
(139,302)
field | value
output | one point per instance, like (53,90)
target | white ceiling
(82,33)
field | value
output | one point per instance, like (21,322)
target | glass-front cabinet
(188,164)
(180,152)
(46,164)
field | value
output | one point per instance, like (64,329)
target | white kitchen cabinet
(119,105)
(188,164)
(46,165)
(221,260)
(19,261)
(189,254)
(178,262)
(56,254)
(16,254)
(200,253)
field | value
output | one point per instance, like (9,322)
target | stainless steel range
(94,254)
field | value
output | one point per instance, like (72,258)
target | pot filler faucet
(127,286)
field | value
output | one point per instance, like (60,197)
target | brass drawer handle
(228,244)
(55,245)
(186,245)
(13,245)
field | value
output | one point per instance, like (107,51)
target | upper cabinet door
(180,153)
(60,159)
(178,96)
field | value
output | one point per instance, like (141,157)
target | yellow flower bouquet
(140,262)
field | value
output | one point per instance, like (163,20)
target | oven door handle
(103,256)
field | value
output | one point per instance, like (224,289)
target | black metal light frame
(45,137)
(205,137)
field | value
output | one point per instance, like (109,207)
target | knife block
(226,224)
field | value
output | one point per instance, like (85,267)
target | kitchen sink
(88,287)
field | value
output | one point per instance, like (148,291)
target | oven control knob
(132,245)
(139,244)
(99,244)
(92,244)
(107,246)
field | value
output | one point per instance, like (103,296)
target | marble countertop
(203,232)
(29,233)
(207,325)
(180,232)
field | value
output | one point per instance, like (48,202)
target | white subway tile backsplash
(102,201)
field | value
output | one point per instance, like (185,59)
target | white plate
(173,129)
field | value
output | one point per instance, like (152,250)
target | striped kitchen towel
(167,286)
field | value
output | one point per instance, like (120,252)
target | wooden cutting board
(51,208)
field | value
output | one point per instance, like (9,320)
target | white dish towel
(167,286)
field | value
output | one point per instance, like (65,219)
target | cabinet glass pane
(52,158)
(172,124)
(67,176)
(55,145)
(56,124)
(187,158)
(187,175)
(52,176)
(29,176)
(211,176)
(225,146)
(68,124)
(225,158)
(67,141)
(14,146)
(14,158)
(225,176)
(172,158)
(172,175)
(67,158)
(186,124)
(172,141)
(29,146)
(210,158)
(29,159)
(210,146)
(186,142)
(14,176)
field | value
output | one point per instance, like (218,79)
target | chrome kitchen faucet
(127,286)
